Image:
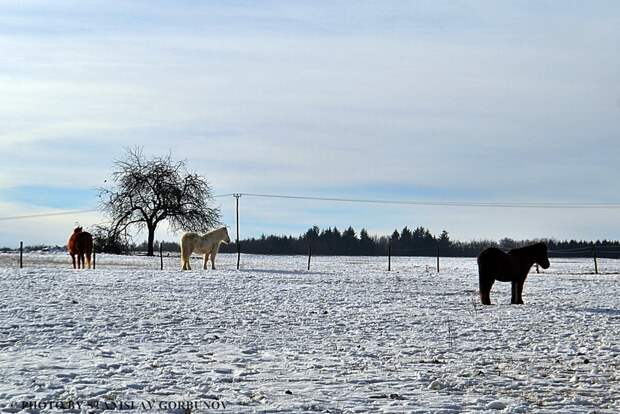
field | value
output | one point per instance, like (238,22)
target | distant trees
(149,191)
(507,243)
(406,242)
(406,238)
(350,242)
(106,240)
(331,241)
(444,241)
(395,240)
(367,245)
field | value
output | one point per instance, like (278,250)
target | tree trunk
(151,240)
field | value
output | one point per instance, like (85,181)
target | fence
(566,260)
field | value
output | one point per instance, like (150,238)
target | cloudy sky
(509,101)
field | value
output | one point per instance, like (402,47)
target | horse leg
(184,261)
(204,261)
(513,296)
(519,298)
(88,259)
(485,295)
(73,260)
(213,253)
(486,283)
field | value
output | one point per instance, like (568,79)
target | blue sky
(513,101)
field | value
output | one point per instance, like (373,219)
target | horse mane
(219,229)
(539,247)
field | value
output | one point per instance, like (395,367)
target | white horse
(207,244)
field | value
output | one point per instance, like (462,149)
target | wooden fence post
(389,257)
(309,255)
(595,261)
(21,254)
(161,256)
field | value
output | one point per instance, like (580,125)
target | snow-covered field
(347,336)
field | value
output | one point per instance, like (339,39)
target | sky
(487,101)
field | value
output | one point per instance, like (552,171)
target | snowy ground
(346,337)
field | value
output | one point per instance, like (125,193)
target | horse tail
(485,282)
(183,245)
(88,257)
(485,277)
(185,251)
(88,247)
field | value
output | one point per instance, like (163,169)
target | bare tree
(149,191)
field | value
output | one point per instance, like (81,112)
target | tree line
(406,242)
(331,241)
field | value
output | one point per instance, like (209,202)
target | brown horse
(494,264)
(80,244)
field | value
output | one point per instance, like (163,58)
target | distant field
(348,336)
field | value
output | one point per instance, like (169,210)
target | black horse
(494,264)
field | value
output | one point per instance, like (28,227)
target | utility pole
(237,196)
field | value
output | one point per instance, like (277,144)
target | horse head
(226,238)
(78,229)
(542,257)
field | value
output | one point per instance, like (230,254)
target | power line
(60,213)
(371,201)
(446,203)
(70,212)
